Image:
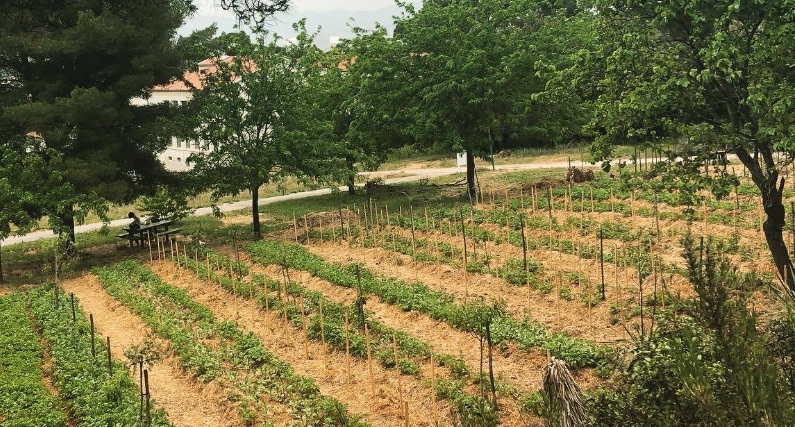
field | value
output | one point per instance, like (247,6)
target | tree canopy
(257,116)
(719,74)
(75,67)
(461,73)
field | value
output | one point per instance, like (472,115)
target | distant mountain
(333,24)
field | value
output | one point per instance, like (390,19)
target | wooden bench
(131,238)
(167,233)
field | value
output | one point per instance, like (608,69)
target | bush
(712,368)
(165,204)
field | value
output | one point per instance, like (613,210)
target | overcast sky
(332,15)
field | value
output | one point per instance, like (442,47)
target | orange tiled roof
(194,78)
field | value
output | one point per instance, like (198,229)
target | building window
(179,142)
(169,157)
(179,159)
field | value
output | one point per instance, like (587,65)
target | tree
(462,72)
(76,65)
(30,184)
(345,100)
(718,73)
(256,116)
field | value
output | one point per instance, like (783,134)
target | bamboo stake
(347,348)
(556,279)
(295,228)
(397,367)
(413,243)
(737,203)
(149,245)
(617,285)
(612,202)
(306,229)
(433,391)
(426,212)
(323,333)
(533,195)
(592,206)
(369,359)
(436,248)
(304,327)
(320,219)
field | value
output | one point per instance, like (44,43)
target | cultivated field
(395,311)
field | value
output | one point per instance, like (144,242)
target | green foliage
(236,356)
(73,88)
(467,410)
(165,203)
(438,305)
(24,401)
(257,114)
(94,397)
(712,368)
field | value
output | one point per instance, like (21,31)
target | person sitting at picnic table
(136,222)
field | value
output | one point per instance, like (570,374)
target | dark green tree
(78,65)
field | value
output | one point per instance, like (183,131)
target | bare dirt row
(188,403)
(377,398)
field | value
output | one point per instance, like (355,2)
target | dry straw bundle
(563,396)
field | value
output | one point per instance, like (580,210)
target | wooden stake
(306,229)
(149,245)
(592,206)
(304,327)
(295,228)
(413,243)
(322,332)
(397,367)
(93,344)
(320,219)
(617,285)
(110,358)
(426,213)
(347,348)
(433,391)
(556,280)
(74,313)
(436,246)
(369,359)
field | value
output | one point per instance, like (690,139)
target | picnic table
(149,232)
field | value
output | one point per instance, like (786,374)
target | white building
(178,92)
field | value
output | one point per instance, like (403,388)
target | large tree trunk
(255,210)
(351,176)
(772,190)
(774,231)
(68,219)
(471,187)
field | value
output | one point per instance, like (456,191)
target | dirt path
(187,403)
(382,409)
